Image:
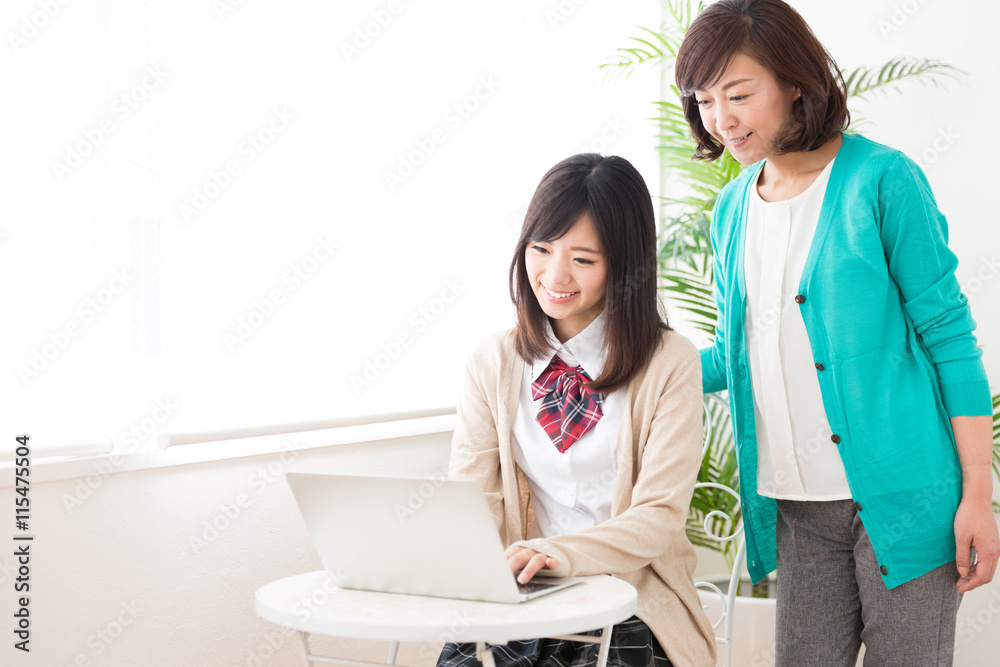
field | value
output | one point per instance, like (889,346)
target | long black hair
(615,196)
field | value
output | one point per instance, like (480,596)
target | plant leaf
(866,82)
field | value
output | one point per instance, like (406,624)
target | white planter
(753,625)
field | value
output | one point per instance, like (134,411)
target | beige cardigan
(658,451)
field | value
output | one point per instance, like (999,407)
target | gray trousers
(831,598)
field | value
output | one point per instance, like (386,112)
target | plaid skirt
(632,645)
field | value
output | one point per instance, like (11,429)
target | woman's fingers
(976,527)
(529,562)
(518,557)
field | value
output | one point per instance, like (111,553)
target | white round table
(312,603)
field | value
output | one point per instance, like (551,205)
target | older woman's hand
(975,526)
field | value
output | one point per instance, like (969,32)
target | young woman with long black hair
(583,423)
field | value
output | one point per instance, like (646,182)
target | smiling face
(568,276)
(747,109)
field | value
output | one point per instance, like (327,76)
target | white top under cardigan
(796,459)
(570,491)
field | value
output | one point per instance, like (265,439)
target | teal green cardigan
(891,336)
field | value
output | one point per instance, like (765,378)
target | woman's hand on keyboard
(528,562)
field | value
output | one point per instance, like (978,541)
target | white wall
(159,567)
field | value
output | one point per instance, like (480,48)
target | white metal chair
(728,598)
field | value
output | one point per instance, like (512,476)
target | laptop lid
(415,536)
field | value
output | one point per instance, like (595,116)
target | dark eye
(539,249)
(587,262)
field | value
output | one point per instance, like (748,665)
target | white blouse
(796,459)
(569,491)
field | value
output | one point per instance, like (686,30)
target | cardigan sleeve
(914,236)
(475,453)
(667,470)
(713,357)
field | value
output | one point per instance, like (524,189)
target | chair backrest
(718,521)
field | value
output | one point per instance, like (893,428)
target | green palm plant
(685,254)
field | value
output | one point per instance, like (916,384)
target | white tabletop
(311,602)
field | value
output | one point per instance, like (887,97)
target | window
(228,213)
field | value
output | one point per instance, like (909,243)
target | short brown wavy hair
(776,36)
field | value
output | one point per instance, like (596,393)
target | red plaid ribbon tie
(570,408)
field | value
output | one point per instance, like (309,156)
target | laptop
(415,536)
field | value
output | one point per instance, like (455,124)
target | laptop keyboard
(532,587)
